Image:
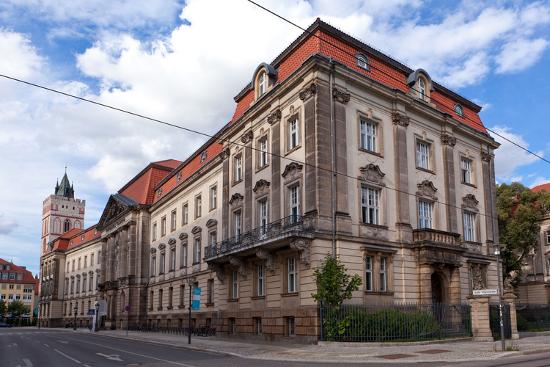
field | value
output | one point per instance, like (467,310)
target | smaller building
(17,284)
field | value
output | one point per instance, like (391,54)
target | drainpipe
(333,157)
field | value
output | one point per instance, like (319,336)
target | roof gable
(116,206)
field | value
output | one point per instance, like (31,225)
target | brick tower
(61,212)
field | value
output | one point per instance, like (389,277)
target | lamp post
(190,281)
(96,323)
(75,309)
(501,319)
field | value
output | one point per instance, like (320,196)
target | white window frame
(425,214)
(362,62)
(262,83)
(234,284)
(197,250)
(368,135)
(163,226)
(263,148)
(383,268)
(263,216)
(184,214)
(183,255)
(469,224)
(293,132)
(370,205)
(162,263)
(423,152)
(238,168)
(260,280)
(422,88)
(292,274)
(369,267)
(173,220)
(198,206)
(238,223)
(213,197)
(294,203)
(466,165)
(172,259)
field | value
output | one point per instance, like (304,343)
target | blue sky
(184,62)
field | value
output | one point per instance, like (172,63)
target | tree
(334,284)
(17,309)
(519,211)
(3,308)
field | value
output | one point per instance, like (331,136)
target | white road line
(46,345)
(68,357)
(138,354)
(113,357)
(63,341)
(28,363)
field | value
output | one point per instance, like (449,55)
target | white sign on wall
(485,292)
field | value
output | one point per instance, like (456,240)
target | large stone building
(535,285)
(251,214)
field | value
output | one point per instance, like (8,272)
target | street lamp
(501,319)
(75,309)
(96,324)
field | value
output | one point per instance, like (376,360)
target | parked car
(3,324)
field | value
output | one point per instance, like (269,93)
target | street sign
(485,292)
(196,303)
(91,312)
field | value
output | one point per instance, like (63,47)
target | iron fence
(494,321)
(533,317)
(394,322)
(294,224)
(197,331)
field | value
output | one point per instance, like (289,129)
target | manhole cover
(395,356)
(433,351)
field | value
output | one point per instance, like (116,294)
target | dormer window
(362,62)
(263,78)
(459,110)
(262,83)
(203,156)
(421,84)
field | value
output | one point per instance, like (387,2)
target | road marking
(63,341)
(114,357)
(27,362)
(68,357)
(46,345)
(138,354)
(12,345)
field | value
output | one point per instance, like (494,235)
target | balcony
(438,247)
(273,234)
(435,237)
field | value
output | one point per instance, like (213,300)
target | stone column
(489,196)
(481,327)
(400,122)
(425,283)
(225,194)
(274,119)
(310,176)
(248,139)
(448,142)
(510,298)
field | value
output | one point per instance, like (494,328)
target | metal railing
(533,317)
(394,322)
(197,331)
(494,321)
(294,224)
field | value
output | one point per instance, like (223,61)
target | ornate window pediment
(211,223)
(372,173)
(172,242)
(292,171)
(426,189)
(470,202)
(183,236)
(236,199)
(162,246)
(261,187)
(196,229)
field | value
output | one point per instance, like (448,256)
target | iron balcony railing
(292,225)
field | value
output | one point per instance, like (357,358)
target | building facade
(535,285)
(326,154)
(17,284)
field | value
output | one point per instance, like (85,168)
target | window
(162,263)
(213,197)
(422,88)
(170,297)
(198,206)
(291,275)
(153,266)
(234,284)
(173,220)
(85,261)
(154,231)
(262,83)
(422,154)
(172,259)
(293,133)
(212,238)
(425,211)
(263,153)
(548,237)
(204,155)
(294,201)
(160,299)
(238,168)
(183,256)
(84,283)
(237,223)
(232,327)
(263,219)
(370,199)
(78,268)
(459,110)
(91,282)
(383,274)
(466,170)
(210,292)
(91,259)
(184,214)
(290,326)
(362,62)
(197,251)
(73,265)
(260,280)
(99,257)
(163,227)
(66,225)
(77,285)
(367,134)
(151,296)
(469,219)
(368,273)
(182,295)
(258,325)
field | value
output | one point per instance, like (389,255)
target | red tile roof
(62,242)
(544,186)
(83,237)
(28,278)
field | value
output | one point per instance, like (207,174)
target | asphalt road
(61,348)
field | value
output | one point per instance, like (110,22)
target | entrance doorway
(438,288)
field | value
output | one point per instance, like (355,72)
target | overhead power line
(220,140)
(390,76)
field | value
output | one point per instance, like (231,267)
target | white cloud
(19,56)
(508,157)
(520,54)
(7,225)
(539,180)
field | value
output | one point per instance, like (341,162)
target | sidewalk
(457,351)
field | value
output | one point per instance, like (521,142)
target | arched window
(459,110)
(422,88)
(66,225)
(262,83)
(362,62)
